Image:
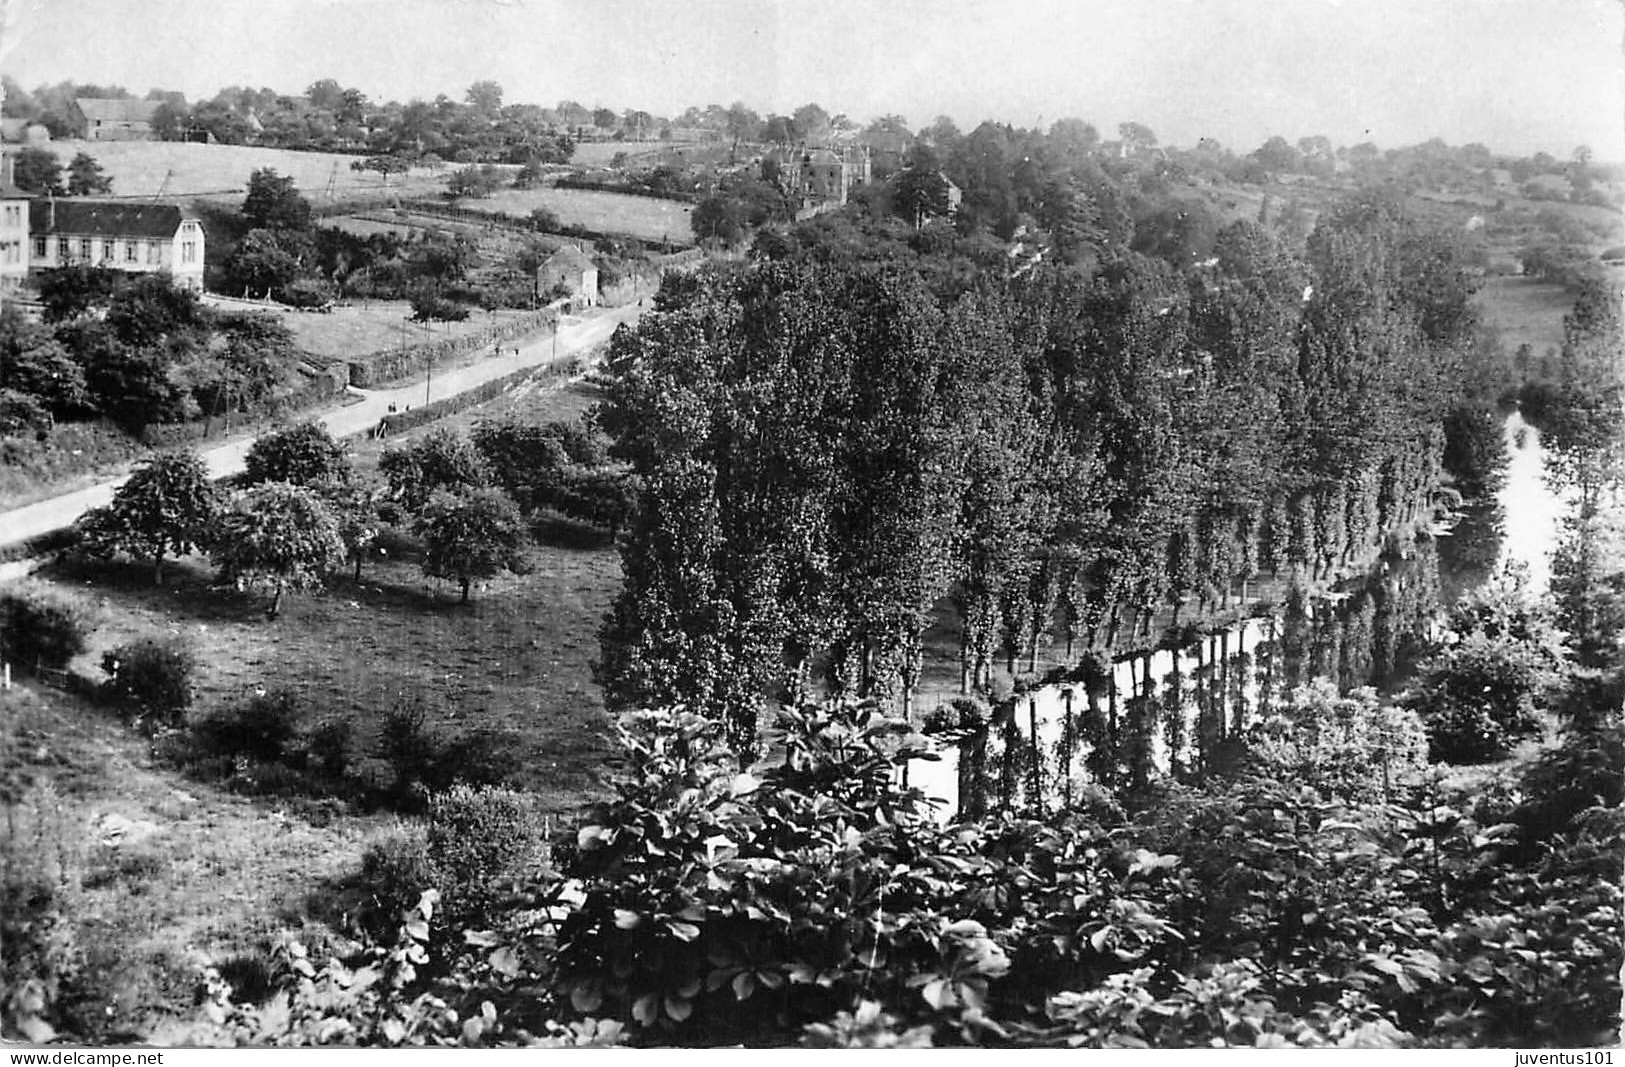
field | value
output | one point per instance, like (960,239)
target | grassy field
(637,216)
(165,874)
(599,153)
(162,876)
(1526,311)
(517,658)
(140,168)
(357,329)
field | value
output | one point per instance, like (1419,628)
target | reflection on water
(1182,713)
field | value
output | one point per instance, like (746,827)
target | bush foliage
(41,628)
(152,679)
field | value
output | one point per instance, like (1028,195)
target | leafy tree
(921,192)
(478,182)
(255,366)
(442,259)
(1480,691)
(150,310)
(304,455)
(812,123)
(1277,156)
(274,202)
(167,506)
(382,165)
(262,263)
(474,533)
(85,177)
(36,170)
(743,124)
(135,387)
(34,363)
(441,459)
(429,306)
(719,218)
(1136,137)
(71,291)
(279,536)
(485,97)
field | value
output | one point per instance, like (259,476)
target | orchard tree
(85,177)
(168,506)
(442,459)
(475,533)
(355,506)
(382,165)
(304,455)
(278,536)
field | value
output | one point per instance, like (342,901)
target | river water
(1183,712)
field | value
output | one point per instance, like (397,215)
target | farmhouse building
(571,269)
(138,238)
(816,180)
(116,120)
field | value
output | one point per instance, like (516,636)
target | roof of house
(105,218)
(11,192)
(569,258)
(98,109)
(822,155)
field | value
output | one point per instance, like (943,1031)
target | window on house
(84,248)
(62,249)
(129,251)
(39,247)
(152,252)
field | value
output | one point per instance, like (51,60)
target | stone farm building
(116,120)
(138,238)
(816,179)
(571,269)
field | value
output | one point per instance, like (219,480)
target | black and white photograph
(761,524)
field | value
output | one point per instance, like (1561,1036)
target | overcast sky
(1517,75)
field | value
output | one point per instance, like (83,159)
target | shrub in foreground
(41,628)
(151,679)
(263,729)
(481,841)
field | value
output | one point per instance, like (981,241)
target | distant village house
(819,179)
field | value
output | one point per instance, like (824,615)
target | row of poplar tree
(831,453)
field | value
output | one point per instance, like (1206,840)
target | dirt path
(576,334)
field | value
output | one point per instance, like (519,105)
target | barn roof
(569,258)
(99,109)
(105,218)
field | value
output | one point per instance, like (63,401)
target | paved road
(576,334)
